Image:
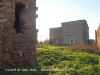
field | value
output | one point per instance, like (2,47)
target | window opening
(19,20)
(68,33)
(1,4)
(68,26)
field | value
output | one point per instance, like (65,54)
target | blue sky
(51,13)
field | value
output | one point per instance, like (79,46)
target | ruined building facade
(70,32)
(18,34)
(97,33)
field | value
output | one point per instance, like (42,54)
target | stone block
(22,40)
(10,36)
(24,54)
(29,54)
(4,41)
(5,30)
(15,56)
(19,64)
(14,64)
(16,48)
(5,45)
(7,56)
(12,31)
(13,5)
(25,36)
(6,27)
(0,42)
(0,48)
(19,40)
(0,56)
(28,40)
(26,58)
(10,61)
(11,48)
(15,52)
(14,40)
(24,48)
(9,40)
(6,50)
(0,35)
(1,65)
(19,35)
(22,59)
(16,60)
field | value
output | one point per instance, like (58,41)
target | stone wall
(98,37)
(56,35)
(76,31)
(18,34)
(71,32)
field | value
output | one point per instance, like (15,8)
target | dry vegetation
(83,46)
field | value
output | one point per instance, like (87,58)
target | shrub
(83,46)
(92,47)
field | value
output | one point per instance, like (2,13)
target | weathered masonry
(18,34)
(97,32)
(70,32)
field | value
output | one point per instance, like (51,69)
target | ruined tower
(18,34)
(70,32)
(97,34)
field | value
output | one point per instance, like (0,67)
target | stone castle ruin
(70,32)
(18,34)
(97,33)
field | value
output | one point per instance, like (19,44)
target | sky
(51,13)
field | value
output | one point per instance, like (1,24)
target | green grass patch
(61,60)
(77,62)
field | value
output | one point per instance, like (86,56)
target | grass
(78,62)
(61,60)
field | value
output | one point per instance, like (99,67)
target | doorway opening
(71,41)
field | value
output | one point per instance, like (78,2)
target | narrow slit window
(1,4)
(19,17)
